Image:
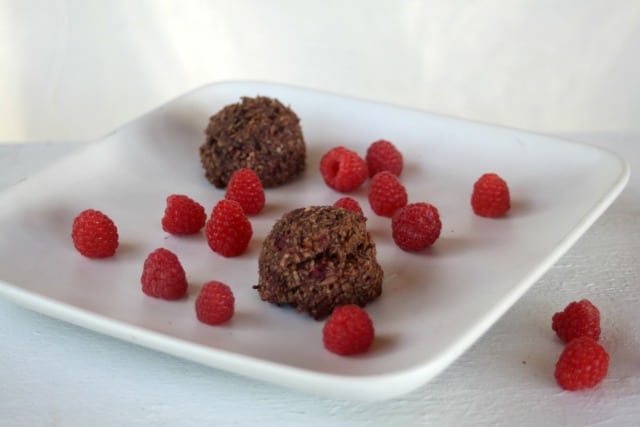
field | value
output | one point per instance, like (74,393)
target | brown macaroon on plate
(434,304)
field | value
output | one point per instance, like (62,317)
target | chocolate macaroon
(257,133)
(318,258)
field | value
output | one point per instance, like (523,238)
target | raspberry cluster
(164,277)
(228,232)
(414,226)
(583,363)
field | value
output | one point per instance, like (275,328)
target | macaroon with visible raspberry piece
(215,303)
(228,230)
(583,364)
(490,197)
(94,234)
(416,226)
(382,155)
(317,258)
(386,194)
(183,215)
(163,276)
(246,188)
(343,169)
(348,331)
(578,319)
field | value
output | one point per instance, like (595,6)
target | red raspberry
(343,170)
(348,330)
(246,188)
(163,275)
(349,203)
(579,318)
(183,215)
(386,194)
(583,364)
(94,234)
(490,197)
(215,303)
(381,156)
(416,226)
(228,230)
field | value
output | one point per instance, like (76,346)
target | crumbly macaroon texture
(317,258)
(258,133)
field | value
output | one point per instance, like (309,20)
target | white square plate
(435,304)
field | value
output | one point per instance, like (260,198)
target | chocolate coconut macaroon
(257,133)
(317,258)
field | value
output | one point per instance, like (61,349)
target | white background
(75,70)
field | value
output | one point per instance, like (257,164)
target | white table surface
(56,374)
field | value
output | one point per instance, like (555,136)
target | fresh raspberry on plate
(348,203)
(579,318)
(416,226)
(348,330)
(386,194)
(215,303)
(490,196)
(382,155)
(163,276)
(94,234)
(228,229)
(583,364)
(246,188)
(343,169)
(183,215)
